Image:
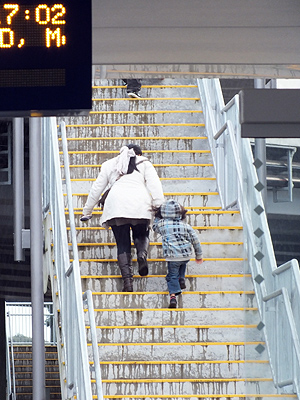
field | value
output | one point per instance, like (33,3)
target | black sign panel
(270,113)
(45,57)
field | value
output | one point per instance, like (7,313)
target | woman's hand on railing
(85,217)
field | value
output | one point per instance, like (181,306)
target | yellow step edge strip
(250,343)
(145,151)
(162,179)
(217,211)
(167,194)
(136,124)
(143,86)
(155,165)
(194,227)
(161,259)
(239,292)
(95,212)
(214,210)
(92,138)
(149,112)
(153,244)
(198,396)
(182,362)
(163,276)
(178,380)
(147,98)
(46,372)
(173,309)
(176,326)
(30,379)
(236,309)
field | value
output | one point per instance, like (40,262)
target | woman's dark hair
(136,148)
(132,161)
(157,212)
(183,212)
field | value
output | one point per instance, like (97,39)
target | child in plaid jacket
(178,241)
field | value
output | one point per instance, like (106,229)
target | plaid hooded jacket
(178,238)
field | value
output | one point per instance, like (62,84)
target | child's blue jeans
(176,270)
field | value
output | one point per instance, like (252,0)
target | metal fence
(20,323)
(277,289)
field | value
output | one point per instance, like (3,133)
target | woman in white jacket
(135,190)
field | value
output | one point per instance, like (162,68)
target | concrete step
(153,283)
(209,268)
(187,199)
(195,218)
(129,116)
(189,388)
(156,157)
(134,130)
(198,170)
(175,334)
(183,101)
(211,250)
(177,184)
(170,142)
(23,370)
(91,232)
(174,351)
(216,316)
(24,392)
(165,88)
(191,299)
(184,369)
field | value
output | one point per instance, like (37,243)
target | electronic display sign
(45,57)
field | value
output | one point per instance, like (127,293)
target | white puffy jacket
(131,196)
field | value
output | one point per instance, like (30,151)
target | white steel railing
(277,289)
(72,341)
(19,315)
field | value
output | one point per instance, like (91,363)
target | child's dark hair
(132,161)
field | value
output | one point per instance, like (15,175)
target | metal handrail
(237,184)
(87,296)
(72,346)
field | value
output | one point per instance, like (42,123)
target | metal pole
(260,153)
(18,192)
(36,240)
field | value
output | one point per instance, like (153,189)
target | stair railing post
(36,253)
(260,153)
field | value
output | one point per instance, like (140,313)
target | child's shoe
(173,302)
(182,283)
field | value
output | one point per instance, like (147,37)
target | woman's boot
(124,261)
(141,245)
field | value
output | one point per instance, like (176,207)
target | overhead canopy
(213,38)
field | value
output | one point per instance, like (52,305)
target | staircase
(210,346)
(23,371)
